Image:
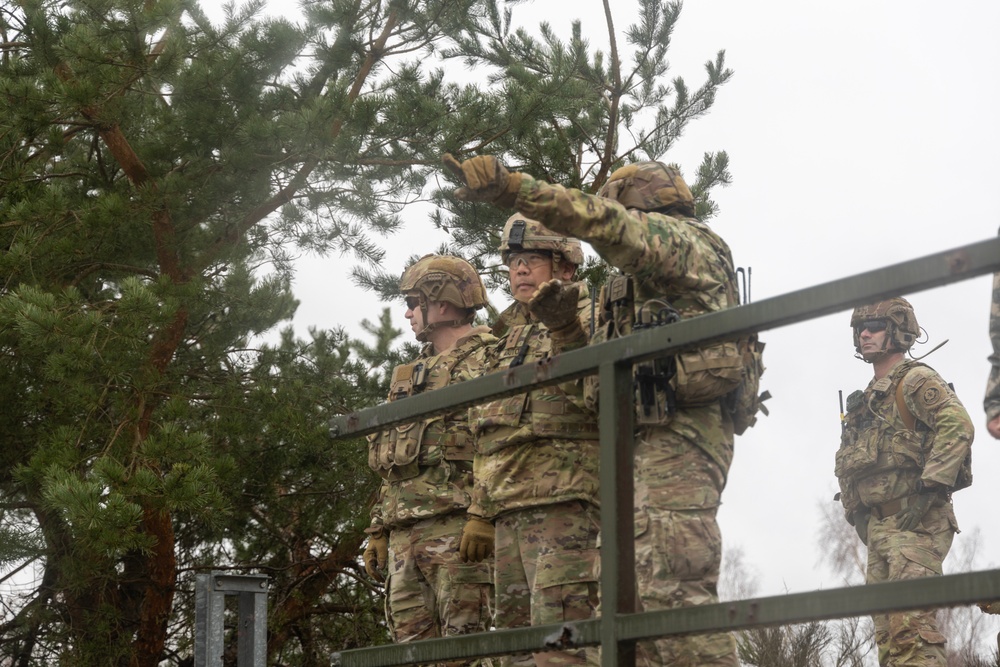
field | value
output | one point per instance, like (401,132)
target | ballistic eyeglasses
(532,260)
(873,326)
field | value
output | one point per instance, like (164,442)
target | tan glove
(486,179)
(555,305)
(376,554)
(477,540)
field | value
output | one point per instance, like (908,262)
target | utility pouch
(497,423)
(707,374)
(907,448)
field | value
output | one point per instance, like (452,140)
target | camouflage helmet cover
(902,328)
(649,186)
(521,233)
(444,278)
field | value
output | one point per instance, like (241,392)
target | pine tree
(158,176)
(571,114)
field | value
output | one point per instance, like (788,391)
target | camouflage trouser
(909,638)
(430,591)
(547,572)
(678,545)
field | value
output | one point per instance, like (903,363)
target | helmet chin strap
(423,334)
(881,354)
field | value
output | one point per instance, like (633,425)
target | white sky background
(860,134)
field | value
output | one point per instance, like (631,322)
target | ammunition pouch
(858,453)
(393,453)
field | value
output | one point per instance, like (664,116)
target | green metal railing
(619,627)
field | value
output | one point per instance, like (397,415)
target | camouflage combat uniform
(427,483)
(992,401)
(991,404)
(681,463)
(881,465)
(536,479)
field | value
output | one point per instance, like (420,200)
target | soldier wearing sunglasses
(905,447)
(426,467)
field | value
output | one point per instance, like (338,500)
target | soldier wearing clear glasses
(535,498)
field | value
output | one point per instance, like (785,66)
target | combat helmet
(444,278)
(650,186)
(521,234)
(902,329)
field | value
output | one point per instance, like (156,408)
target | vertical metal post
(618,591)
(209,618)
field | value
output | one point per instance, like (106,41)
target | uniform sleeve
(666,255)
(377,517)
(951,431)
(992,401)
(477,495)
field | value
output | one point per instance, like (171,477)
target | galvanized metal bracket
(210,612)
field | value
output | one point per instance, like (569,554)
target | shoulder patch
(931,396)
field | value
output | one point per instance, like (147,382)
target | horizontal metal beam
(928,593)
(903,278)
(239,583)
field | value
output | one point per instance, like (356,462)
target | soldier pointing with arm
(643,225)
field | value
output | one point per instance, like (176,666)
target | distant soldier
(992,401)
(426,467)
(536,471)
(673,267)
(906,445)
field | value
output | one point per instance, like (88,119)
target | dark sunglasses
(873,326)
(412,302)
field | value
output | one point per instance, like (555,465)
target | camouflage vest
(542,413)
(874,437)
(398,453)
(689,379)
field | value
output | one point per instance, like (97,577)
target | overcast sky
(860,134)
